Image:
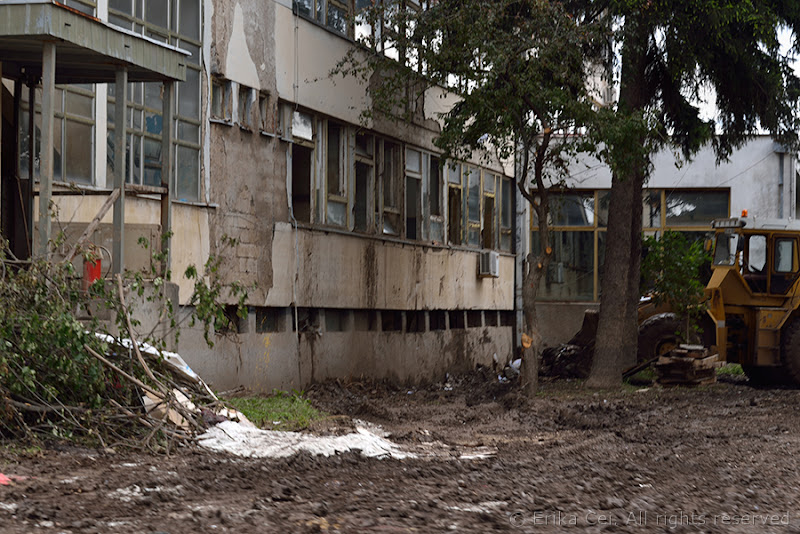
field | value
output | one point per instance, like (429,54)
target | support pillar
(120,135)
(46,154)
(167,178)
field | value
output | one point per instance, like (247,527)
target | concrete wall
(345,271)
(285,360)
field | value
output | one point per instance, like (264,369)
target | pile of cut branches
(65,374)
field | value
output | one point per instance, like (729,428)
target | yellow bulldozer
(753,298)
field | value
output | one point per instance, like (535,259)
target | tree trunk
(530,287)
(617,330)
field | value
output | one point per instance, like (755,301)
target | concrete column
(46,154)
(120,136)
(31,162)
(167,179)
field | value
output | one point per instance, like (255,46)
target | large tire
(657,336)
(790,350)
(764,376)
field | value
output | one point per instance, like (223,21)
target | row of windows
(349,178)
(578,237)
(317,320)
(177,23)
(254,110)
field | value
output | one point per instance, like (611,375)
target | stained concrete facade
(361,253)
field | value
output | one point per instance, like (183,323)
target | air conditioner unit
(489,264)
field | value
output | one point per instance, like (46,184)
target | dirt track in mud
(723,458)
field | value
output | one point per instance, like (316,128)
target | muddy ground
(723,458)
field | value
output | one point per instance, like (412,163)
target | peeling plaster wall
(246,169)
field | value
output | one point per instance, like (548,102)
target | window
(454,204)
(413,203)
(785,256)
(490,221)
(506,214)
(695,208)
(178,23)
(303,168)
(245,107)
(336,174)
(473,179)
(331,13)
(221,99)
(390,186)
(365,176)
(73,132)
(435,200)
(267,114)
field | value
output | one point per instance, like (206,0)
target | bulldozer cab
(765,257)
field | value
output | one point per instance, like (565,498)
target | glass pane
(121,5)
(508,202)
(58,160)
(365,145)
(188,132)
(188,174)
(725,249)
(695,208)
(474,198)
(435,187)
(119,21)
(156,12)
(80,105)
(570,275)
(189,23)
(651,214)
(784,255)
(153,123)
(603,198)
(391,176)
(412,208)
(454,173)
(194,50)
(134,159)
(301,126)
(334,159)
(153,96)
(363,178)
(572,210)
(757,254)
(152,162)
(505,242)
(79,152)
(189,95)
(437,231)
(489,182)
(474,236)
(304,7)
(337,213)
(413,161)
(337,18)
(83,8)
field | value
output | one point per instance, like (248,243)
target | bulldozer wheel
(657,336)
(790,351)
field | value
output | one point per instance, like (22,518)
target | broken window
(390,185)
(245,107)
(221,99)
(435,201)
(365,175)
(336,174)
(506,214)
(303,167)
(490,222)
(473,180)
(413,202)
(454,204)
(267,111)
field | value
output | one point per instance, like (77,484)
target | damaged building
(365,254)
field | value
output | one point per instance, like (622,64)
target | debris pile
(688,365)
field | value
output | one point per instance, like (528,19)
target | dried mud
(723,458)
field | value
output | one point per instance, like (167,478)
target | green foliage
(731,369)
(671,270)
(280,411)
(42,354)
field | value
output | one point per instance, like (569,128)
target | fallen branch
(93,225)
(122,373)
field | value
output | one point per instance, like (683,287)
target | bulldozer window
(725,249)
(785,256)
(756,254)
